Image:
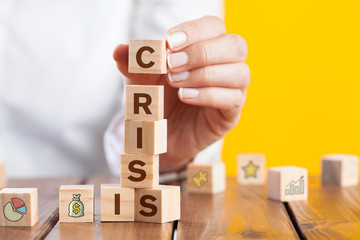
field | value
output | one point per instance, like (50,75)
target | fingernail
(178,77)
(188,93)
(177,59)
(176,39)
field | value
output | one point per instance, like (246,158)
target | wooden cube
(144,103)
(206,178)
(76,203)
(117,203)
(147,56)
(340,169)
(251,169)
(148,137)
(139,171)
(19,206)
(3,179)
(159,205)
(288,183)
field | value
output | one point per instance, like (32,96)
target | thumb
(121,57)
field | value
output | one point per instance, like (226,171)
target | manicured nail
(178,77)
(176,39)
(188,93)
(177,59)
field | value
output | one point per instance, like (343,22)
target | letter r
(144,105)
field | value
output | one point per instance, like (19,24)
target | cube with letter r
(145,102)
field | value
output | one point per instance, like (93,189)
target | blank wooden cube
(340,169)
(147,56)
(139,171)
(206,178)
(76,203)
(19,206)
(144,103)
(159,205)
(117,203)
(148,137)
(3,179)
(287,183)
(251,168)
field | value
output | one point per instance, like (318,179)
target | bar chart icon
(295,187)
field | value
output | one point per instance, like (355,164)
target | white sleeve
(151,19)
(114,138)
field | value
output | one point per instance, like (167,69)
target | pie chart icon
(14,210)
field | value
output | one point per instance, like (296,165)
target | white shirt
(59,86)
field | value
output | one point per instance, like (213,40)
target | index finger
(188,33)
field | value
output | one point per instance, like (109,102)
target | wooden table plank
(48,190)
(331,212)
(240,212)
(109,230)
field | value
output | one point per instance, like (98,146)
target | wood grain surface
(331,212)
(240,212)
(109,230)
(48,190)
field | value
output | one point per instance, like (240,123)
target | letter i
(117,204)
(139,137)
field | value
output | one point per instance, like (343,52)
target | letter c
(139,54)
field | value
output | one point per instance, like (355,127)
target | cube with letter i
(19,206)
(206,178)
(146,137)
(147,56)
(117,204)
(340,169)
(288,183)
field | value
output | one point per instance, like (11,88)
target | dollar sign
(76,208)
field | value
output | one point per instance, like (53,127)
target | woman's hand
(205,88)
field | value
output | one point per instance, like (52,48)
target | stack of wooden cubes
(146,137)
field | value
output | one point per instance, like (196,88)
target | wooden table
(241,212)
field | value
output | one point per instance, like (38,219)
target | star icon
(250,169)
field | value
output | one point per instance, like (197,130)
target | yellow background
(304,96)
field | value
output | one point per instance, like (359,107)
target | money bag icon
(76,207)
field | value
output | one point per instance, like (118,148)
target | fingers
(188,33)
(227,99)
(208,65)
(228,48)
(235,75)
(201,55)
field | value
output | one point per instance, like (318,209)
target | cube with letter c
(147,56)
